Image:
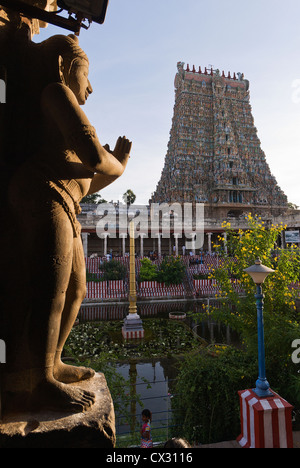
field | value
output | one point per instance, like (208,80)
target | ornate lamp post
(266,418)
(259,273)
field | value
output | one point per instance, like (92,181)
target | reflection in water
(154,381)
(207,329)
(106,311)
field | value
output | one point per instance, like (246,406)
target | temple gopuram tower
(214,155)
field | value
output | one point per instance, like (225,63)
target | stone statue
(12,20)
(54,158)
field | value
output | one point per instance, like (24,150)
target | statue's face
(79,82)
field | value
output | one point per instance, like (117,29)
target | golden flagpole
(132,284)
(133,325)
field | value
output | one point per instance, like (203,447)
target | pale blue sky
(133,58)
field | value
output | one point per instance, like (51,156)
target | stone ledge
(49,429)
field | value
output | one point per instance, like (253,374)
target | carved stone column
(84,236)
(209,234)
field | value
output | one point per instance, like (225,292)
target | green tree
(129,197)
(239,311)
(94,198)
(207,403)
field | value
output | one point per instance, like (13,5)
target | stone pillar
(193,244)
(225,243)
(209,234)
(159,244)
(176,244)
(123,237)
(84,237)
(105,244)
(142,244)
(283,245)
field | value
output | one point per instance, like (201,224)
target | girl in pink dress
(146,438)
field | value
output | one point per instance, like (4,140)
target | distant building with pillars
(116,240)
(154,242)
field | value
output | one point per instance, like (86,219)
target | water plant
(163,337)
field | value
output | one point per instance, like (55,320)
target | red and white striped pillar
(265,422)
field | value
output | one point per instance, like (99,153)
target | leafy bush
(93,277)
(113,270)
(206,402)
(148,271)
(171,271)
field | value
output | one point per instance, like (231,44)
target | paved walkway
(235,444)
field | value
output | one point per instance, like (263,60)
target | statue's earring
(61,69)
